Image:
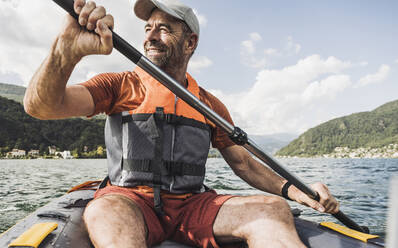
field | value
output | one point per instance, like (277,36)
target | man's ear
(191,43)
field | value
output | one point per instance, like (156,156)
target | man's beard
(172,57)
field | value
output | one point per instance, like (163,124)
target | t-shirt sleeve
(220,138)
(105,90)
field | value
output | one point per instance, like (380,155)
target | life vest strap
(157,172)
(173,168)
(168,118)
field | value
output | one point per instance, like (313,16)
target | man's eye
(165,30)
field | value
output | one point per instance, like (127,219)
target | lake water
(361,185)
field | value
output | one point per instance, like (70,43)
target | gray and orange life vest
(163,143)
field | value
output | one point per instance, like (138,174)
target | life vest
(163,143)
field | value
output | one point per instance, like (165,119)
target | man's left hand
(326,204)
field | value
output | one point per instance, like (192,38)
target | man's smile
(154,50)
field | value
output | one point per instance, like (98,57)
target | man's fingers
(333,208)
(327,200)
(106,37)
(78,5)
(97,13)
(323,192)
(85,12)
(315,205)
(108,20)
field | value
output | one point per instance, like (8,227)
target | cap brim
(143,9)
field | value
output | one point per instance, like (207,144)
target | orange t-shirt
(117,92)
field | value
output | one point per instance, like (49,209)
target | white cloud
(25,42)
(291,46)
(396,61)
(248,47)
(198,62)
(271,51)
(377,77)
(251,58)
(327,87)
(248,52)
(280,100)
(201,18)
(255,36)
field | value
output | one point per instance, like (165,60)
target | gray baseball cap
(143,10)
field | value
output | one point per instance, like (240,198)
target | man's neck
(179,74)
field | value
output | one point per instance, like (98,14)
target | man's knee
(274,206)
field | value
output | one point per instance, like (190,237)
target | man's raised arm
(48,96)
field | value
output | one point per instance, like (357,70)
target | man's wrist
(285,190)
(62,49)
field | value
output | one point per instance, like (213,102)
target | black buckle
(126,118)
(159,114)
(170,118)
(238,136)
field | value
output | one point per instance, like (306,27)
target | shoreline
(388,151)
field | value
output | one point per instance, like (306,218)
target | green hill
(374,129)
(19,130)
(13,92)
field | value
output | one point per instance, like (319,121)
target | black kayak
(59,224)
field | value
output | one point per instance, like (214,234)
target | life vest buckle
(170,118)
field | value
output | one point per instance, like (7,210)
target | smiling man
(157,145)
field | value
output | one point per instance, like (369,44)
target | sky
(278,66)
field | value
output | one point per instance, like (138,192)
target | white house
(52,150)
(34,152)
(16,153)
(66,155)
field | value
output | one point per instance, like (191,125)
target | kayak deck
(67,212)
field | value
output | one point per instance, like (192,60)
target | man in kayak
(157,145)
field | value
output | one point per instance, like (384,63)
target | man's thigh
(241,217)
(112,216)
(143,202)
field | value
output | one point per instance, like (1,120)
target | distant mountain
(374,129)
(16,93)
(273,142)
(19,130)
(13,92)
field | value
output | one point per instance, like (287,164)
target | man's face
(164,40)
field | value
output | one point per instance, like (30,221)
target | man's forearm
(262,178)
(45,93)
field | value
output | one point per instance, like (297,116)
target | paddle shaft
(140,60)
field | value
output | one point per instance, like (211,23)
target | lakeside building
(66,155)
(34,153)
(16,153)
(52,150)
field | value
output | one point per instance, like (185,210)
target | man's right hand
(47,96)
(91,34)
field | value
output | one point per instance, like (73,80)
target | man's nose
(152,35)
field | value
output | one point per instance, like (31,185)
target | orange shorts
(188,221)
